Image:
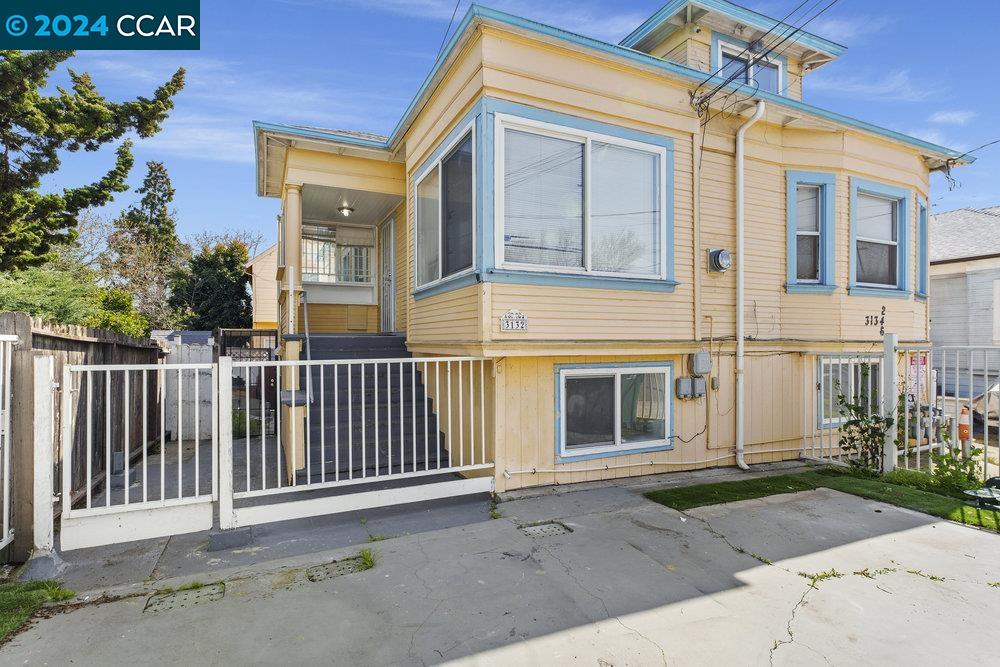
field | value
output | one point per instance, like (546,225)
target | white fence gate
(344,426)
(7,343)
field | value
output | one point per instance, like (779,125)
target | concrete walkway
(634,583)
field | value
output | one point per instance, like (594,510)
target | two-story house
(650,242)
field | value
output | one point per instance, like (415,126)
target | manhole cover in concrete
(186,598)
(549,529)
(335,569)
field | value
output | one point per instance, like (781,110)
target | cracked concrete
(634,584)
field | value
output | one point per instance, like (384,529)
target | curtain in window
(643,411)
(428,223)
(457,206)
(543,200)
(624,210)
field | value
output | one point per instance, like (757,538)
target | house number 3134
(877,321)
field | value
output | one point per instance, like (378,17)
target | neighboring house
(965,283)
(262,270)
(555,204)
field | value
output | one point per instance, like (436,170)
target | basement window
(613,411)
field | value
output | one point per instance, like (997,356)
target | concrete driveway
(634,583)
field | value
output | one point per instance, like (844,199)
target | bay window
(444,214)
(613,411)
(571,201)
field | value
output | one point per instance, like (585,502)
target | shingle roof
(964,233)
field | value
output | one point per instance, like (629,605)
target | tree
(70,296)
(214,287)
(35,127)
(142,250)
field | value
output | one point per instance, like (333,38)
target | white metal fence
(420,423)
(929,392)
(7,343)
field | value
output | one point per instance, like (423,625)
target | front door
(387,263)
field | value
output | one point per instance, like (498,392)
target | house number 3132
(877,321)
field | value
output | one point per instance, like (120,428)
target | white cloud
(958,117)
(211,119)
(936,136)
(847,30)
(897,86)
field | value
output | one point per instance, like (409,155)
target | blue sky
(355,64)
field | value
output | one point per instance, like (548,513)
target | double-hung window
(444,214)
(572,201)
(612,411)
(749,68)
(877,241)
(856,380)
(811,214)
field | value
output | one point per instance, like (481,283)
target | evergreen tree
(214,287)
(35,127)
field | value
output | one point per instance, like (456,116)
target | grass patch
(20,600)
(192,586)
(366,559)
(936,503)
(377,537)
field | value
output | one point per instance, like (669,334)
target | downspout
(740,333)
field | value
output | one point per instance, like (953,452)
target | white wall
(189,354)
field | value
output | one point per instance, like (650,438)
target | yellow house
(652,243)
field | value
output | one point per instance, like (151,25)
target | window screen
(876,238)
(590,411)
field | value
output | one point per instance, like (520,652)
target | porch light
(345,210)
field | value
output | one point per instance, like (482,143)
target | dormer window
(735,58)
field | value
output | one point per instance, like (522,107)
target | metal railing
(7,343)
(117,452)
(367,420)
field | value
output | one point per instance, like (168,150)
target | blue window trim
(664,446)
(922,278)
(902,196)
(740,45)
(827,184)
(493,273)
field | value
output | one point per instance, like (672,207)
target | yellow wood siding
(340,318)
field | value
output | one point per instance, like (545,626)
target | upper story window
(810,204)
(922,259)
(444,214)
(878,236)
(337,254)
(572,201)
(766,74)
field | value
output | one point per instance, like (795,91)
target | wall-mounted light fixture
(345,210)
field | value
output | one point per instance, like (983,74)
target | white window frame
(504,122)
(617,446)
(818,234)
(834,418)
(468,131)
(745,54)
(858,238)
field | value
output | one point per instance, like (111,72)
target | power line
(444,40)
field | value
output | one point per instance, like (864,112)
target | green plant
(816,577)
(240,424)
(192,586)
(366,559)
(914,479)
(863,433)
(954,472)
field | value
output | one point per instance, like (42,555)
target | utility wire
(444,40)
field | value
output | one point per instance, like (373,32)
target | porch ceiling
(320,204)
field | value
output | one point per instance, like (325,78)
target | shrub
(953,472)
(240,424)
(912,478)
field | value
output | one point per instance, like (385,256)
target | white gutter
(740,326)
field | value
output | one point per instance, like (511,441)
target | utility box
(700,363)
(698,387)
(683,387)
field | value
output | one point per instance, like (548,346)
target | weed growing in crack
(817,577)
(494,512)
(366,559)
(378,537)
(193,586)
(994,584)
(920,573)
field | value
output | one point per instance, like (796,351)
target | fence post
(225,472)
(890,395)
(44,443)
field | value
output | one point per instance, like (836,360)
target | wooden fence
(67,344)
